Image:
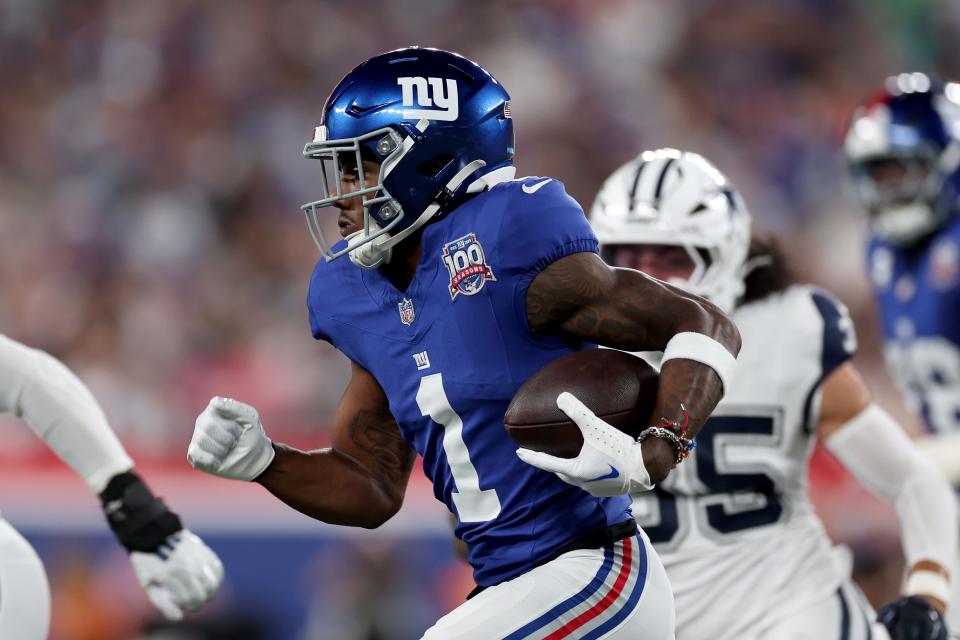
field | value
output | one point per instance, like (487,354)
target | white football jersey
(733,523)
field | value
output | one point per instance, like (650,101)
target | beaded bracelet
(682,445)
(673,431)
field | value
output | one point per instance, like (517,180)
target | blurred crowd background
(151,175)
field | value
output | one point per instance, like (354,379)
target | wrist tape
(929,583)
(139,520)
(705,350)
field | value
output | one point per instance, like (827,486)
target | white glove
(229,441)
(180,576)
(610,462)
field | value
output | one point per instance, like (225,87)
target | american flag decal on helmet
(506,109)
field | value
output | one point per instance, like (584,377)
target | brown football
(619,387)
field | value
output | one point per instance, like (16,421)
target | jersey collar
(489,180)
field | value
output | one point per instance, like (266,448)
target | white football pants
(618,592)
(844,615)
(24,592)
(953,607)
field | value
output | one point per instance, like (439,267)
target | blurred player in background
(453,284)
(903,149)
(745,552)
(176,569)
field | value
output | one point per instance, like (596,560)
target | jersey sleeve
(832,341)
(839,341)
(316,326)
(329,291)
(542,224)
(62,411)
(318,299)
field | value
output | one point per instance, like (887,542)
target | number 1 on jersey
(473,503)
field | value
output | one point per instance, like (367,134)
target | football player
(452,285)
(903,150)
(176,569)
(745,552)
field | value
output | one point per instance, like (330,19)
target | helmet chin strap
(905,223)
(370,254)
(366,252)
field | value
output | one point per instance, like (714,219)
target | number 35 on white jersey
(733,524)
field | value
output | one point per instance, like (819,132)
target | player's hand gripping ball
(619,388)
(598,452)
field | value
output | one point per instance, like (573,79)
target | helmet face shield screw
(388,210)
(386,144)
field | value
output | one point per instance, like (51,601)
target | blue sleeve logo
(466,265)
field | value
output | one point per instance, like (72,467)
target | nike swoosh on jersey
(613,474)
(532,188)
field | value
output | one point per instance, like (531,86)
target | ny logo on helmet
(429,92)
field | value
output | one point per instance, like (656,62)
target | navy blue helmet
(434,121)
(903,149)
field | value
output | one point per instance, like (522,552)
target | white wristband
(929,583)
(704,349)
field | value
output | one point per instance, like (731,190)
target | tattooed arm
(581,298)
(361,479)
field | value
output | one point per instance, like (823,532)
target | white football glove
(229,441)
(181,575)
(610,462)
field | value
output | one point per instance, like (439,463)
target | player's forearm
(691,379)
(687,394)
(877,451)
(943,451)
(699,344)
(61,410)
(331,487)
(582,298)
(926,508)
(639,313)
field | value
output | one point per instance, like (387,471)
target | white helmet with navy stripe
(678,198)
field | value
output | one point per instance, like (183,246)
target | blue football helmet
(903,150)
(434,121)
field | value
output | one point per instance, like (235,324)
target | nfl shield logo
(407,314)
(466,265)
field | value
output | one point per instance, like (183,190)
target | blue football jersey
(451,351)
(918,293)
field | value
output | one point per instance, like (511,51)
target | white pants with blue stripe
(24,592)
(844,615)
(617,592)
